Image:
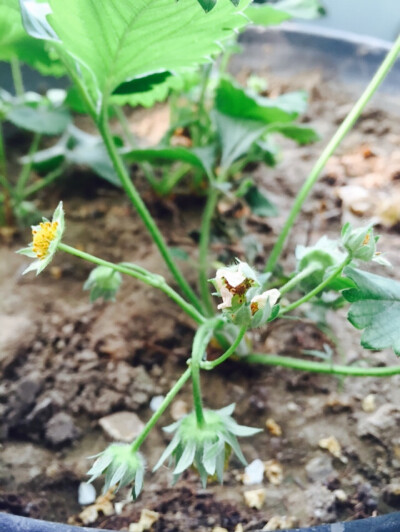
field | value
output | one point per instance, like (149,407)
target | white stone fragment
(254,473)
(86,494)
(155,402)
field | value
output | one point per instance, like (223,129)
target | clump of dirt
(67,364)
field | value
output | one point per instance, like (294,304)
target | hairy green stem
(317,289)
(7,214)
(26,169)
(211,364)
(151,279)
(143,212)
(329,150)
(296,279)
(17,76)
(161,409)
(201,340)
(320,367)
(204,244)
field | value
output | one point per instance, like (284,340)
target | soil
(66,363)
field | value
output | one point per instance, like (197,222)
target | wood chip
(273,428)
(274,472)
(255,498)
(278,522)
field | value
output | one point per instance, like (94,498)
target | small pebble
(86,493)
(254,473)
(368,403)
(155,402)
(332,445)
(122,426)
(179,409)
(278,522)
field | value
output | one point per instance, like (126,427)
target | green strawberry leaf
(375,308)
(233,100)
(115,42)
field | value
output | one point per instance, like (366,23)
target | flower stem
(200,342)
(296,279)
(17,76)
(157,281)
(337,138)
(320,367)
(317,289)
(26,169)
(211,364)
(142,210)
(161,409)
(7,215)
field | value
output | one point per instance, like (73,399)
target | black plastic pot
(384,523)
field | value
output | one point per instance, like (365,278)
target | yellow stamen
(43,237)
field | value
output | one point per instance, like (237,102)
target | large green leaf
(233,100)
(375,308)
(16,43)
(124,39)
(272,14)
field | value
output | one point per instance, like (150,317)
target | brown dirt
(67,363)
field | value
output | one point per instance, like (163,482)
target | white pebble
(254,473)
(155,402)
(86,493)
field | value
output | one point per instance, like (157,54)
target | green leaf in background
(76,147)
(236,136)
(300,134)
(15,43)
(118,41)
(273,14)
(233,100)
(171,153)
(375,308)
(259,204)
(40,119)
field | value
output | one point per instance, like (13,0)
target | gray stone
(61,430)
(17,333)
(122,426)
(319,468)
(383,424)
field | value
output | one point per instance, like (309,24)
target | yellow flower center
(43,237)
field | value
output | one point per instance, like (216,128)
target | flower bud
(103,282)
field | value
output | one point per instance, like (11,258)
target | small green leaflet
(273,14)
(233,100)
(375,308)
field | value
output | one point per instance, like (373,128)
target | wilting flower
(121,466)
(205,447)
(234,281)
(46,237)
(243,301)
(270,297)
